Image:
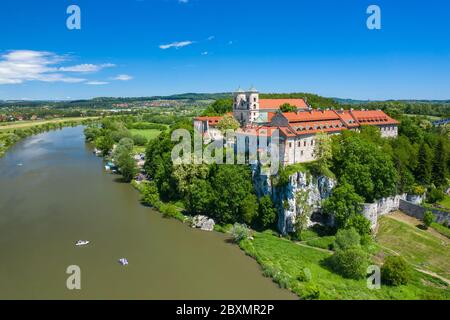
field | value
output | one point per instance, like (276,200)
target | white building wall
(389,131)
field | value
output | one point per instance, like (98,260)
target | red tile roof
(348,119)
(313,115)
(212,121)
(275,104)
(368,117)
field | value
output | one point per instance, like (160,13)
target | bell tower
(253,104)
(240,106)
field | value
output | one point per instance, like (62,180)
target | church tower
(246,106)
(253,102)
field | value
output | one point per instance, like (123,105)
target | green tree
(104,143)
(267,213)
(347,239)
(361,224)
(150,195)
(428,219)
(364,165)
(435,195)
(249,208)
(439,171)
(198,197)
(127,166)
(424,165)
(231,184)
(227,123)
(351,263)
(323,151)
(288,108)
(343,204)
(219,107)
(395,271)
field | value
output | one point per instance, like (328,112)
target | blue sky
(320,46)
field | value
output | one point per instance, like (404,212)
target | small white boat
(20,164)
(81,243)
(123,261)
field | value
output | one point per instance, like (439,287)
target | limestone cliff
(312,190)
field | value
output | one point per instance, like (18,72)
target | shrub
(150,194)
(417,190)
(240,232)
(361,224)
(435,195)
(351,263)
(310,292)
(304,275)
(168,210)
(428,219)
(347,239)
(139,140)
(269,271)
(395,271)
(171,211)
(282,279)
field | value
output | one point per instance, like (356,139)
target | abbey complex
(297,129)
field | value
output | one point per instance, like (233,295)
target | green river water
(54,191)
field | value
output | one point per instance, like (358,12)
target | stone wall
(418,212)
(381,207)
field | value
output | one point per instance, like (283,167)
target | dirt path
(311,247)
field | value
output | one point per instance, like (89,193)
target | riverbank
(61,194)
(212,191)
(10,134)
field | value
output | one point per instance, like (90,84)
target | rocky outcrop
(302,190)
(203,222)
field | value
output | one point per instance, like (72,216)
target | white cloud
(211,38)
(123,77)
(183,1)
(86,68)
(19,66)
(176,45)
(205,53)
(97,83)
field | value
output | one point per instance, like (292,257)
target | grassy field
(425,249)
(446,202)
(431,118)
(150,134)
(284,261)
(441,229)
(8,126)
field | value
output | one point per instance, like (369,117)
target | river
(53,192)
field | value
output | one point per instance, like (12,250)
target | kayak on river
(123,261)
(81,243)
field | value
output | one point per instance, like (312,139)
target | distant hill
(353,101)
(440,108)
